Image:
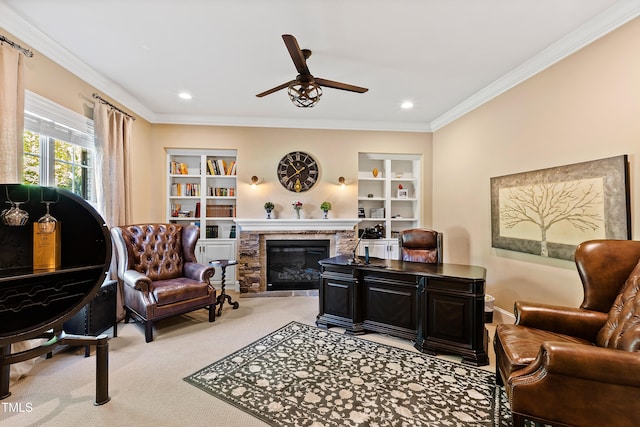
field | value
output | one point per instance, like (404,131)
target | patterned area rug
(301,375)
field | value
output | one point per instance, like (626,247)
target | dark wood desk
(438,306)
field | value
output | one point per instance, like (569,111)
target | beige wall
(260,150)
(585,107)
(48,79)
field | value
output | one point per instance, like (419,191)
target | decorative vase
(325,214)
(268,214)
(297,213)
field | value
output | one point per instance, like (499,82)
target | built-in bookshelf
(202,190)
(388,196)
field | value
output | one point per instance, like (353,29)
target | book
(231,168)
(222,166)
(212,171)
(211,232)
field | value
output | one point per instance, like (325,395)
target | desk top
(462,271)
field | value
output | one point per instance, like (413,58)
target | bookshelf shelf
(378,198)
(205,195)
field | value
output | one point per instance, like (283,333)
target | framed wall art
(548,212)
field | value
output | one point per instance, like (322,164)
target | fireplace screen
(293,264)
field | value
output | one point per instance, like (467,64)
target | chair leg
(212,314)
(498,377)
(148,331)
(517,420)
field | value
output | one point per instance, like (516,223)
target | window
(59,149)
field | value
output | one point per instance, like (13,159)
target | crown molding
(617,15)
(279,122)
(38,41)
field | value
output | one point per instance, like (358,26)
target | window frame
(53,122)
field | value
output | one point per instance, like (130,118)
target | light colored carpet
(146,379)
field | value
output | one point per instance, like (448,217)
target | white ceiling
(447,56)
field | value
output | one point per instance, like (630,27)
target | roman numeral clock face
(298,171)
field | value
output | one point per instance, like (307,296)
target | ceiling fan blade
(296,53)
(338,85)
(275,89)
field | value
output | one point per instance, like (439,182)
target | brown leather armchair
(160,274)
(420,245)
(569,366)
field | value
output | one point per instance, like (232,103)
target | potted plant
(297,205)
(268,207)
(326,207)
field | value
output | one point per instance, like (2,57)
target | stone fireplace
(254,233)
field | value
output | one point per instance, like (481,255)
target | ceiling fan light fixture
(304,95)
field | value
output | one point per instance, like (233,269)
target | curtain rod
(104,101)
(15,45)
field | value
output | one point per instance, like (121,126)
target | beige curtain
(11,129)
(112,135)
(11,113)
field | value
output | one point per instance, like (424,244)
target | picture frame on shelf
(403,194)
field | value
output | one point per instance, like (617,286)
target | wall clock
(298,171)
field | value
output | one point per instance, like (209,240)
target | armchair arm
(577,384)
(199,272)
(137,280)
(604,365)
(571,321)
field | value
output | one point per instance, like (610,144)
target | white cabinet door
(394,250)
(380,248)
(211,249)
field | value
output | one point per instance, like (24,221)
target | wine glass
(47,223)
(14,216)
(5,212)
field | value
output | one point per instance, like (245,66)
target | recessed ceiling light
(407,105)
(184,95)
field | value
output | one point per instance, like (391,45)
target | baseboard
(503,316)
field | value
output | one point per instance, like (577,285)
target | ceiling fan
(306,90)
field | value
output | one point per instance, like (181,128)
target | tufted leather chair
(569,366)
(160,274)
(420,245)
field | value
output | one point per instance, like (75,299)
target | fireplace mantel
(332,224)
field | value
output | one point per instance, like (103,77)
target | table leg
(5,372)
(223,294)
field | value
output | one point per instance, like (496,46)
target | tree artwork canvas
(548,212)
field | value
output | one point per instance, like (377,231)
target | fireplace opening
(293,264)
